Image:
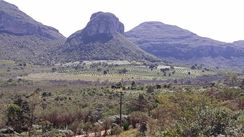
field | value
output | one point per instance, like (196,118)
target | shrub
(116,129)
(241,102)
(133,85)
(143,128)
(107,123)
(126,126)
(150,89)
(158,86)
(19,115)
(123,71)
(137,117)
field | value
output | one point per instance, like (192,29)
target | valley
(71,91)
(155,80)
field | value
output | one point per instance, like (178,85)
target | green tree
(133,85)
(19,115)
(150,89)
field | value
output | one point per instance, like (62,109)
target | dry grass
(129,133)
(84,77)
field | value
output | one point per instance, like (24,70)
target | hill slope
(23,38)
(102,39)
(176,44)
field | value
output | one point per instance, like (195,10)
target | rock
(8,130)
(102,39)
(116,119)
(178,45)
(104,25)
(14,21)
(101,28)
(67,133)
(24,39)
(2,135)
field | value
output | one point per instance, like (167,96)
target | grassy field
(134,72)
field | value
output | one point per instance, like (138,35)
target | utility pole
(120,109)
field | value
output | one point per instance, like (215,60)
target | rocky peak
(101,27)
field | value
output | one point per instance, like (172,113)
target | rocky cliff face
(102,38)
(101,28)
(178,45)
(14,21)
(23,38)
(239,44)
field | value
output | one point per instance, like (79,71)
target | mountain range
(182,46)
(103,38)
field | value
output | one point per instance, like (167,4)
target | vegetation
(124,91)
(152,104)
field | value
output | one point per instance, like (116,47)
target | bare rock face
(13,21)
(102,39)
(175,44)
(101,28)
(103,23)
(23,38)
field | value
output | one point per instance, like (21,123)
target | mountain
(239,43)
(23,38)
(102,39)
(179,45)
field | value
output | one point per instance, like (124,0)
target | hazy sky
(218,19)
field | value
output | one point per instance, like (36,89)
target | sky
(218,19)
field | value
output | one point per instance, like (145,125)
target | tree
(117,85)
(116,130)
(123,71)
(233,79)
(107,123)
(140,104)
(13,115)
(137,117)
(133,85)
(210,122)
(54,69)
(242,84)
(164,70)
(150,89)
(97,129)
(105,72)
(34,101)
(18,115)
(143,128)
(87,128)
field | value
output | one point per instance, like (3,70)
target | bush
(116,129)
(126,126)
(211,122)
(133,85)
(46,94)
(158,87)
(150,89)
(136,118)
(241,102)
(123,71)
(19,115)
(107,123)
(143,128)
